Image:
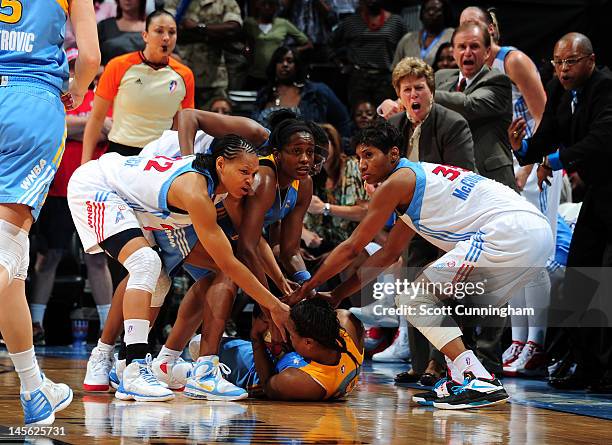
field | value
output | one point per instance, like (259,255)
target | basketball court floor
(377,412)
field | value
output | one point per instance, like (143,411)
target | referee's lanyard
(425,51)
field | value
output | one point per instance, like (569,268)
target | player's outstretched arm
(216,125)
(291,231)
(398,240)
(83,19)
(385,200)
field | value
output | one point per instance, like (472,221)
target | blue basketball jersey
(31,40)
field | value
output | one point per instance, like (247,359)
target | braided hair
(316,319)
(283,131)
(228,146)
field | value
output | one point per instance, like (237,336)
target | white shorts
(97,212)
(503,256)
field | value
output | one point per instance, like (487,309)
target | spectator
(103,10)
(365,43)
(55,225)
(206,28)
(364,114)
(483,97)
(266,33)
(315,19)
(288,87)
(146,90)
(436,20)
(221,105)
(122,34)
(449,142)
(339,199)
(444,58)
(575,134)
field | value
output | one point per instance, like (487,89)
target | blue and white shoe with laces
(139,383)
(442,388)
(40,406)
(207,381)
(475,392)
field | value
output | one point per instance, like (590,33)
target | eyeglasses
(569,62)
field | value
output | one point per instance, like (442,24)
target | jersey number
(160,163)
(450,173)
(15,14)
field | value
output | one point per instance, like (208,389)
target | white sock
(38,313)
(467,362)
(136,331)
(103,313)
(537,336)
(167,352)
(455,375)
(107,349)
(27,368)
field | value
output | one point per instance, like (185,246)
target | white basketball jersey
(451,204)
(143,183)
(168,145)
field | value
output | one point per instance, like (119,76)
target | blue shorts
(175,246)
(32,136)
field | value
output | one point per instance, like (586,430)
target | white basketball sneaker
(398,352)
(173,372)
(98,367)
(40,406)
(207,382)
(140,384)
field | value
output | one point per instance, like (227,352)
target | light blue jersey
(31,40)
(33,73)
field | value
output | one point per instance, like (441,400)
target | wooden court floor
(376,413)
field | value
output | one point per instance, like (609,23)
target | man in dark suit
(430,133)
(483,97)
(578,119)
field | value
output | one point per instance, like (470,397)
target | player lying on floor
(322,360)
(490,233)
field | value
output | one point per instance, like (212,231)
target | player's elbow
(90,59)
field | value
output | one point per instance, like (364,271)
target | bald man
(575,134)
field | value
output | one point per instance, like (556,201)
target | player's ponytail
(229,147)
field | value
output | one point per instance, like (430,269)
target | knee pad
(144,267)
(161,289)
(14,250)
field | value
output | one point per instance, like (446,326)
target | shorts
(174,248)
(55,225)
(32,135)
(503,256)
(237,354)
(97,212)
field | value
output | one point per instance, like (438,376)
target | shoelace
(146,372)
(217,371)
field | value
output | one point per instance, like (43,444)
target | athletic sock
(38,313)
(167,352)
(27,368)
(468,362)
(103,313)
(136,339)
(107,349)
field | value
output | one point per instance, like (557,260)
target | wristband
(301,276)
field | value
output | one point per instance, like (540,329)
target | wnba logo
(173,85)
(130,329)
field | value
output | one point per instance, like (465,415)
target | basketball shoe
(174,372)
(474,392)
(40,406)
(512,352)
(530,362)
(98,368)
(116,372)
(442,388)
(207,381)
(139,383)
(398,352)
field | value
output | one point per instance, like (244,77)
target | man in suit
(483,97)
(578,119)
(446,140)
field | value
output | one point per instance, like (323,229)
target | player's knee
(161,289)
(144,267)
(14,250)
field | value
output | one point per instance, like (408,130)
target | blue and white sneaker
(139,383)
(475,392)
(114,375)
(40,406)
(442,388)
(207,382)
